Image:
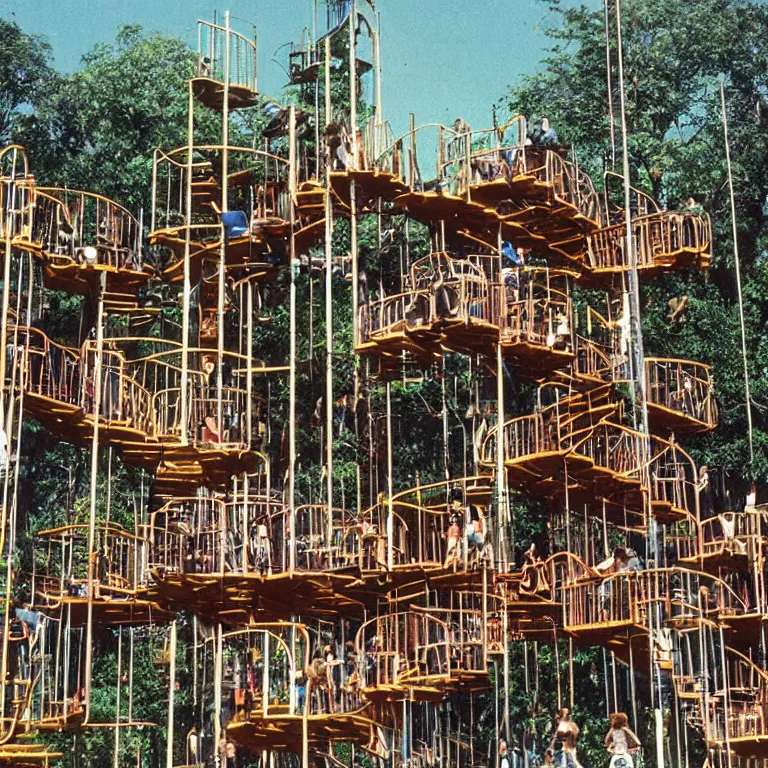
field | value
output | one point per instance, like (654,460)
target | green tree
(675,54)
(26,74)
(98,128)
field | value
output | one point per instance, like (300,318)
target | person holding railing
(618,562)
(621,741)
(261,548)
(706,497)
(453,543)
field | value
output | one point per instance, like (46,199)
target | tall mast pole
(292,348)
(737,265)
(223,255)
(639,381)
(328,306)
(92,574)
(187,288)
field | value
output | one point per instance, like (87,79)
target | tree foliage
(26,74)
(675,54)
(99,127)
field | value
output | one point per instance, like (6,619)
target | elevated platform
(237,598)
(28,755)
(261,253)
(284,732)
(210,93)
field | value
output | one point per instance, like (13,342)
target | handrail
(212,45)
(624,597)
(682,386)
(658,239)
(257,179)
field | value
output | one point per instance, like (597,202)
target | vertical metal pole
(244,524)
(292,350)
(116,753)
(187,288)
(130,675)
(353,78)
(737,265)
(223,255)
(217,674)
(355,267)
(249,370)
(10,218)
(638,359)
(379,130)
(390,469)
(501,495)
(328,331)
(97,364)
(609,79)
(507,730)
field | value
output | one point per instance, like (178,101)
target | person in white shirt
(620,741)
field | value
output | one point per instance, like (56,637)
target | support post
(292,346)
(92,554)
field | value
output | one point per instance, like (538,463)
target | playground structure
(335,625)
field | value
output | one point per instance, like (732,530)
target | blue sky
(442,59)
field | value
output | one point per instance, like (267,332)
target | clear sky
(442,59)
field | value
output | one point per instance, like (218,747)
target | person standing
(621,741)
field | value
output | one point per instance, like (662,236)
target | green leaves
(675,54)
(25,74)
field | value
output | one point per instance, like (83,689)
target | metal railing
(659,238)
(212,52)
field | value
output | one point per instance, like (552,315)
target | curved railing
(682,387)
(626,598)
(324,542)
(606,446)
(213,43)
(466,159)
(67,226)
(723,537)
(17,193)
(66,375)
(532,306)
(565,182)
(305,58)
(123,399)
(207,535)
(400,159)
(257,185)
(422,527)
(75,226)
(263,663)
(403,650)
(141,400)
(233,426)
(278,673)
(63,562)
(17,650)
(738,714)
(659,239)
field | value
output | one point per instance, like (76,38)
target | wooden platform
(27,755)
(108,610)
(284,732)
(210,93)
(236,598)
(253,250)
